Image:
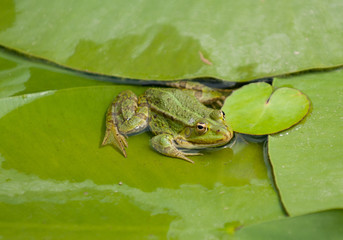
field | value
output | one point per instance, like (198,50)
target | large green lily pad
(57,181)
(257,109)
(307,159)
(20,76)
(323,225)
(152,39)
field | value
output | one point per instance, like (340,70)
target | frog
(180,116)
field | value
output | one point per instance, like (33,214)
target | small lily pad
(258,109)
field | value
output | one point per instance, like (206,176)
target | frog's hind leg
(204,94)
(126,115)
(164,144)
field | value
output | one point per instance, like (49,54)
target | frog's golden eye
(201,127)
(217,114)
(223,114)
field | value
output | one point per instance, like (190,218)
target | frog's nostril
(217,130)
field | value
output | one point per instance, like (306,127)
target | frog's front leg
(126,115)
(164,144)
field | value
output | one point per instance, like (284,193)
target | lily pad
(323,225)
(57,181)
(257,109)
(20,76)
(307,159)
(153,39)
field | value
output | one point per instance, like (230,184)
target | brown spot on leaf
(205,60)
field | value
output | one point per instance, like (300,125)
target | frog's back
(173,109)
(176,102)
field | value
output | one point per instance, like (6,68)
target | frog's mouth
(200,144)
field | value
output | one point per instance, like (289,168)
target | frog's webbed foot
(114,137)
(164,144)
(126,115)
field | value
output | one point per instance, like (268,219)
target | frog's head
(206,132)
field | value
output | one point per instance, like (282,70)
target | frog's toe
(192,153)
(185,158)
(184,154)
(179,154)
(123,140)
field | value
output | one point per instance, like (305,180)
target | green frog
(177,116)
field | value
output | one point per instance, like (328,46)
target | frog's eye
(223,114)
(217,114)
(201,127)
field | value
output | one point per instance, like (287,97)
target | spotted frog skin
(177,116)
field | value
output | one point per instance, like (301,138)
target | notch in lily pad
(257,109)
